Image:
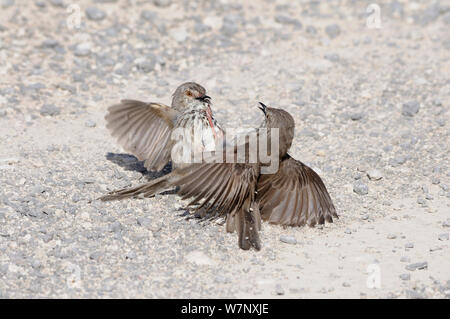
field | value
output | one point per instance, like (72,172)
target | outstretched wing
(225,186)
(229,188)
(294,196)
(143,129)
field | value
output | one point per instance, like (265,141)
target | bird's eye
(189,93)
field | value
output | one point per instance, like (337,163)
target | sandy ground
(367,102)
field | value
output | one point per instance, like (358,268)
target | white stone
(199,258)
(375,174)
(179,35)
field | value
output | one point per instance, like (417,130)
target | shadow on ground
(131,163)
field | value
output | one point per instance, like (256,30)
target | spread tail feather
(248,224)
(148,189)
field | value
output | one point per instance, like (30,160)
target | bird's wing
(229,188)
(143,129)
(225,186)
(294,196)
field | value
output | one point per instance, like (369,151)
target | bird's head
(281,119)
(189,94)
(276,117)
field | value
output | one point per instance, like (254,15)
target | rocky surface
(371,107)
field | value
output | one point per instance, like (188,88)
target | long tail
(248,224)
(147,190)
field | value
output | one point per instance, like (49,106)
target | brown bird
(145,129)
(294,195)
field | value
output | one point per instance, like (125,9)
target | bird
(146,129)
(293,195)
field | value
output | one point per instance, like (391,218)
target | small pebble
(49,109)
(374,174)
(405,259)
(360,188)
(83,49)
(222,279)
(279,290)
(417,266)
(6,3)
(179,35)
(96,255)
(282,19)
(130,255)
(95,14)
(288,239)
(405,276)
(146,66)
(162,3)
(410,108)
(57,3)
(199,258)
(49,43)
(333,30)
(90,123)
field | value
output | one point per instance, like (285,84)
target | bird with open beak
(146,129)
(294,195)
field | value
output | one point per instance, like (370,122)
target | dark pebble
(49,109)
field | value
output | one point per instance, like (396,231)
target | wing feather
(225,186)
(143,129)
(294,196)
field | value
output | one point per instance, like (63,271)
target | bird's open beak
(204,98)
(262,107)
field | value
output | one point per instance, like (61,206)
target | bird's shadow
(131,163)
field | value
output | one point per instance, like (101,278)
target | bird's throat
(209,117)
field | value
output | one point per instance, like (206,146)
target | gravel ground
(371,107)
